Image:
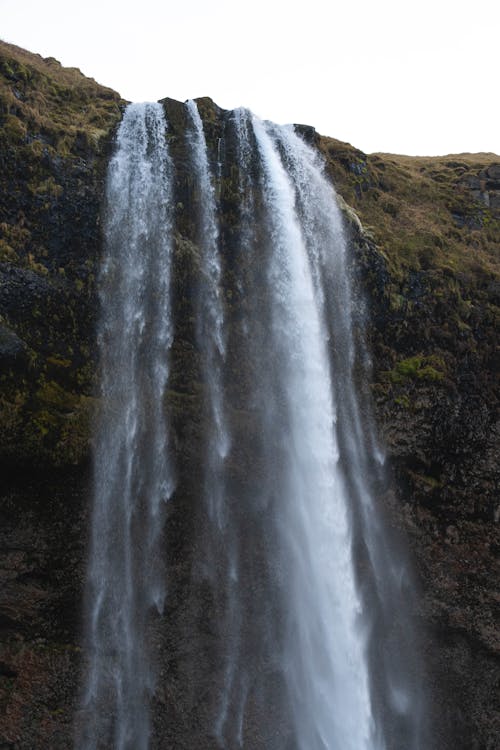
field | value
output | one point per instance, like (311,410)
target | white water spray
(210,319)
(311,644)
(132,475)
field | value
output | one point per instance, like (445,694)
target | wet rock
(308,133)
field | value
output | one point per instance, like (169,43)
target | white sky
(415,78)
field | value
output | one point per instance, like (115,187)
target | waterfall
(294,582)
(210,312)
(132,473)
(329,660)
(323,648)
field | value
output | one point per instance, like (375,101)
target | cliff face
(54,138)
(428,261)
(55,132)
(431,272)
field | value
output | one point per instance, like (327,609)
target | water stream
(133,476)
(314,637)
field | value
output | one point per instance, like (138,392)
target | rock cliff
(430,265)
(426,250)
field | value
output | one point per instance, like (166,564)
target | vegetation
(418,368)
(56,127)
(423,212)
(432,273)
(50,107)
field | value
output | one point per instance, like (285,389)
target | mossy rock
(430,368)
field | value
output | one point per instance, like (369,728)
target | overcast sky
(386,75)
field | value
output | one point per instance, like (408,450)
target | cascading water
(299,587)
(132,473)
(210,312)
(323,649)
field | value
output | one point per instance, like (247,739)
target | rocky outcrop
(426,253)
(485,187)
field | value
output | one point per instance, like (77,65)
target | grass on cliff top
(420,210)
(39,98)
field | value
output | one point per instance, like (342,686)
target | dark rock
(472,182)
(12,348)
(308,133)
(493,172)
(495,202)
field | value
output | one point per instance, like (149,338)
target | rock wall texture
(427,256)
(55,133)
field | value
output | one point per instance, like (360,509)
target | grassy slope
(441,243)
(420,211)
(50,117)
(59,106)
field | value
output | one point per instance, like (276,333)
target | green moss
(58,362)
(57,427)
(53,394)
(48,187)
(34,265)
(14,236)
(7,253)
(397,301)
(429,373)
(403,401)
(418,368)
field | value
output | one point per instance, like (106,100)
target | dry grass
(39,98)
(418,209)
